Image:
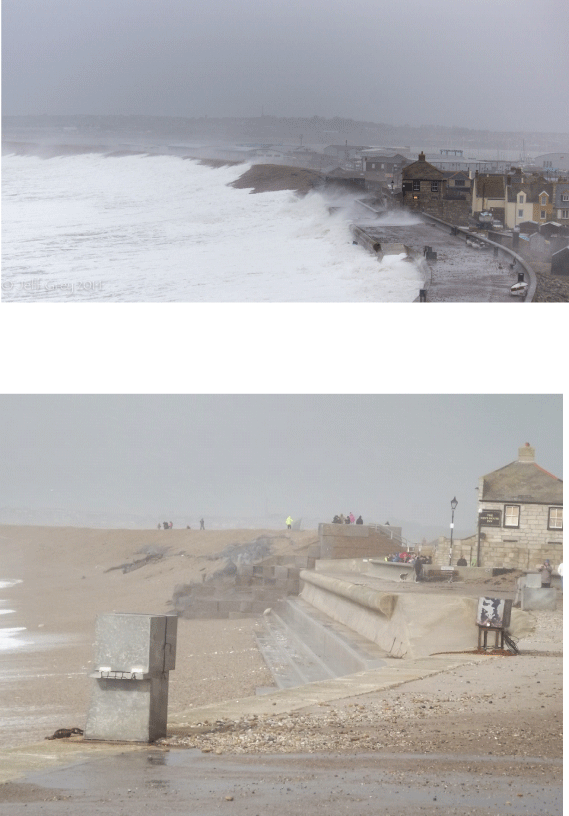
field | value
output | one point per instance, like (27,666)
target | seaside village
(523,206)
(350,601)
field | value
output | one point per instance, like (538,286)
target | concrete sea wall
(405,625)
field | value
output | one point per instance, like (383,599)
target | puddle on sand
(279,781)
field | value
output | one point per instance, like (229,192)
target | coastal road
(461,274)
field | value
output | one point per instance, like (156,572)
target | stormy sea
(157,228)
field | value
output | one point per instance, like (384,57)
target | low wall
(509,254)
(406,625)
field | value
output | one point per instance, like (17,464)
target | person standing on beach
(289,523)
(352,518)
(560,573)
(202,525)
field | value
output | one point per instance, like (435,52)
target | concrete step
(302,645)
(289,660)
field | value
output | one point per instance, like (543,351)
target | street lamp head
(454,503)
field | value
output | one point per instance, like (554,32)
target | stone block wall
(520,547)
(452,211)
(355,541)
(525,546)
(247,593)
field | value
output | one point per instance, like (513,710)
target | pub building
(520,515)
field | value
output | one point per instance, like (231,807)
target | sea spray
(159,228)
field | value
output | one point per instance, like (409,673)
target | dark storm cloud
(494,65)
(384,456)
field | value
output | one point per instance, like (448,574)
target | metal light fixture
(453,505)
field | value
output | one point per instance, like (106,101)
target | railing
(391,534)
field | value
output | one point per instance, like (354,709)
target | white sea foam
(9,582)
(160,228)
(9,640)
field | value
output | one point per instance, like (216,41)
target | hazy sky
(490,64)
(386,457)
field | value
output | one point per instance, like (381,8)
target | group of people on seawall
(415,559)
(349,519)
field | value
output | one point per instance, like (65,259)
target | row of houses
(517,198)
(510,199)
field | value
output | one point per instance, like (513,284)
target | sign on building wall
(490,518)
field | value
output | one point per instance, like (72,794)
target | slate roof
(422,170)
(533,190)
(490,186)
(562,188)
(522,482)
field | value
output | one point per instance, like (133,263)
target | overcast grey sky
(385,457)
(490,64)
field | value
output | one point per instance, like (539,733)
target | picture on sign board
(493,612)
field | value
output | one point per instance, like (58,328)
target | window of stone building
(459,183)
(555,521)
(543,201)
(416,186)
(520,213)
(521,198)
(565,197)
(542,216)
(434,186)
(511,515)
(564,213)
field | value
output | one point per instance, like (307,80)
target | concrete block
(533,580)
(538,598)
(226,607)
(133,655)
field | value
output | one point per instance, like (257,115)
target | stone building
(426,188)
(423,183)
(520,515)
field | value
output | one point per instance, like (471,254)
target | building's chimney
(421,156)
(526,454)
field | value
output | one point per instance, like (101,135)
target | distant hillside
(271,130)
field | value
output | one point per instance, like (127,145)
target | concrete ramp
(302,645)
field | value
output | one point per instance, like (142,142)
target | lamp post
(453,505)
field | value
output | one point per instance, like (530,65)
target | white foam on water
(160,228)
(9,582)
(10,640)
